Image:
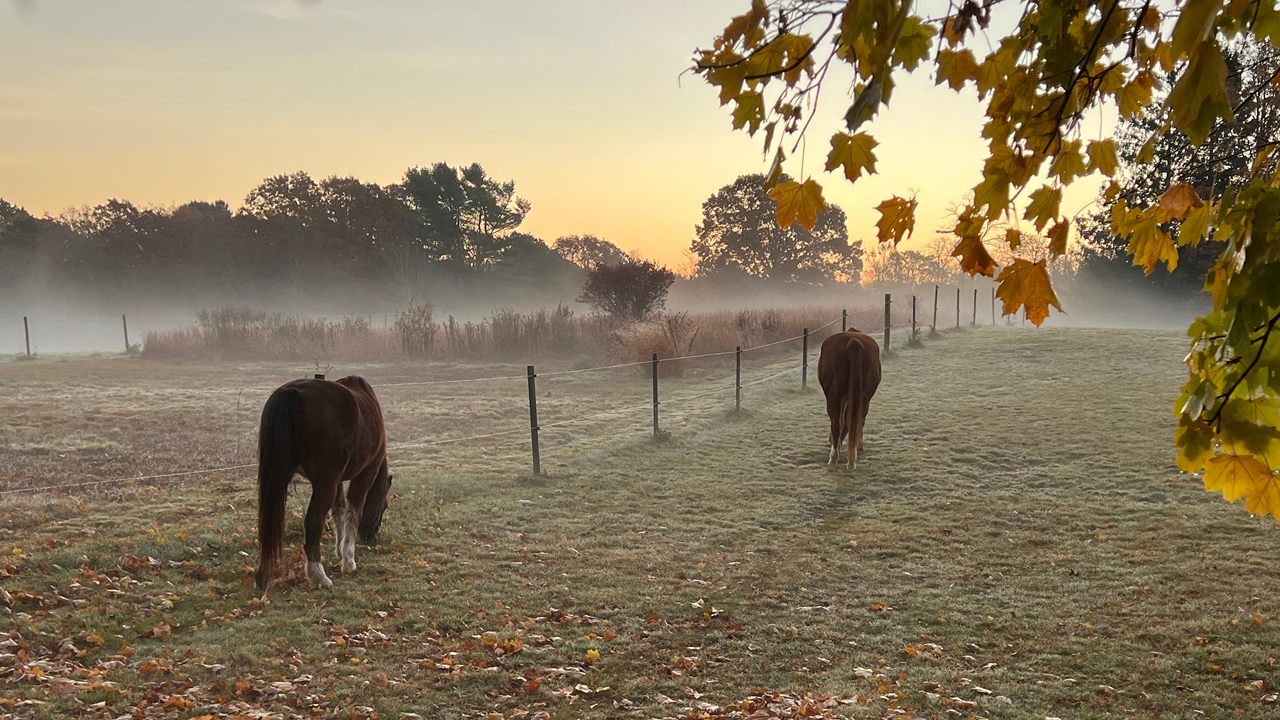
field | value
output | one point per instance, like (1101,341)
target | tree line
(447,227)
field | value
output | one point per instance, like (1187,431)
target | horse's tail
(854,417)
(277,461)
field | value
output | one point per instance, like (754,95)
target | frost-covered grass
(1015,536)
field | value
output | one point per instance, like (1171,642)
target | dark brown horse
(849,372)
(330,432)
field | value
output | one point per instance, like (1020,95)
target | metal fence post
(655,394)
(888,301)
(914,332)
(957,307)
(975,307)
(533,421)
(934,327)
(993,306)
(125,321)
(804,361)
(737,381)
(844,320)
(26,331)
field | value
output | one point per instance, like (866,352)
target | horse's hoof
(348,566)
(317,576)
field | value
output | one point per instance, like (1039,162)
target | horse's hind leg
(835,412)
(323,493)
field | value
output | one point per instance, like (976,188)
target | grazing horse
(329,431)
(849,372)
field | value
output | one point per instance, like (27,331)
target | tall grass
(241,333)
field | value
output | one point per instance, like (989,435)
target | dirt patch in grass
(1016,542)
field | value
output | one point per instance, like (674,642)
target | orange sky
(581,103)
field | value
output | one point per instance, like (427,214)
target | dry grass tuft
(241,333)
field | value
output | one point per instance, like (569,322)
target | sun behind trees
(1039,76)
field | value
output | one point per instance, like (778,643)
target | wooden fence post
(737,381)
(957,308)
(26,331)
(888,301)
(804,361)
(993,306)
(533,421)
(844,320)
(975,307)
(655,395)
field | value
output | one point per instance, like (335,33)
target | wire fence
(892,321)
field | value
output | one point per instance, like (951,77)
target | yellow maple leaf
(728,78)
(745,26)
(992,193)
(853,153)
(1200,96)
(1013,236)
(1179,200)
(1026,284)
(1235,476)
(1068,163)
(1195,24)
(1264,499)
(798,58)
(770,58)
(1149,244)
(974,258)
(997,66)
(897,219)
(1132,98)
(749,112)
(798,201)
(1043,206)
(1122,218)
(1058,235)
(1196,226)
(1194,440)
(1112,192)
(1102,157)
(955,67)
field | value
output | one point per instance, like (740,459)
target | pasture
(1015,543)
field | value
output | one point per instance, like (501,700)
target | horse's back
(845,354)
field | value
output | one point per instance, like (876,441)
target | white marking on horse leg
(315,574)
(348,542)
(831,460)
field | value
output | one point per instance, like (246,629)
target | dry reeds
(240,333)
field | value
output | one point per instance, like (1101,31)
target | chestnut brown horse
(331,432)
(849,373)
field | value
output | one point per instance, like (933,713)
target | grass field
(1015,543)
